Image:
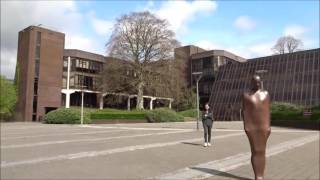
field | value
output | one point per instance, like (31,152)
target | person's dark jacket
(207,118)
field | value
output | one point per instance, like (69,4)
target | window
(35,86)
(65,63)
(38,38)
(206,62)
(37,55)
(36,69)
(64,82)
(71,81)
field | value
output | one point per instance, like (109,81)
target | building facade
(292,78)
(50,76)
(39,72)
(208,63)
(81,72)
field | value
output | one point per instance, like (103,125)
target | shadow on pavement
(219,173)
(194,144)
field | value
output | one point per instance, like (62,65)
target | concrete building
(206,62)
(50,76)
(39,56)
(292,77)
(81,72)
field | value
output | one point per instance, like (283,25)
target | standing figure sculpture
(256,119)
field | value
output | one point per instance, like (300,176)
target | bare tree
(141,39)
(287,44)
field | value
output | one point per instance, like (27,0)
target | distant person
(207,121)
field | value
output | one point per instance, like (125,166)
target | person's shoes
(209,144)
(205,144)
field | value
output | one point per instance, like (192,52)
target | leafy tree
(142,41)
(8,98)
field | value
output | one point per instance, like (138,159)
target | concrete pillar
(101,102)
(151,103)
(128,103)
(67,100)
(170,104)
(67,92)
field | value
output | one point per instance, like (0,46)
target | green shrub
(8,98)
(163,115)
(189,113)
(118,114)
(66,116)
(288,107)
(287,111)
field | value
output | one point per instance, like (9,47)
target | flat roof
(218,53)
(84,55)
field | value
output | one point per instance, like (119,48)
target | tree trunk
(140,96)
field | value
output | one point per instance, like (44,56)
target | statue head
(256,83)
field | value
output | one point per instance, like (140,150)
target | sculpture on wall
(256,119)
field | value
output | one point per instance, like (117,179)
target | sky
(246,28)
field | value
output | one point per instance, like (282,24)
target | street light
(82,96)
(199,74)
(82,86)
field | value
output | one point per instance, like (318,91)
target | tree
(140,39)
(287,44)
(8,98)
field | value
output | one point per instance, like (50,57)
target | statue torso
(256,110)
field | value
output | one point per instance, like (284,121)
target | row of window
(82,82)
(36,76)
(83,65)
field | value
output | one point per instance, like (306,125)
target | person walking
(207,121)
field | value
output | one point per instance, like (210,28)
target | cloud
(179,13)
(204,44)
(252,50)
(101,26)
(8,62)
(79,42)
(62,16)
(244,23)
(297,31)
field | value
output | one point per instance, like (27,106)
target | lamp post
(82,97)
(199,74)
(82,86)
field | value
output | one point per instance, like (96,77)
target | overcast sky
(246,28)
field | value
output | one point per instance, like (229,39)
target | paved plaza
(150,151)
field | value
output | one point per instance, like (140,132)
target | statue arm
(242,108)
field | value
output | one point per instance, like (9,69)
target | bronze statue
(256,119)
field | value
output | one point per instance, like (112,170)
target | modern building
(81,72)
(206,62)
(39,62)
(292,77)
(50,76)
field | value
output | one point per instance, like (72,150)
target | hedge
(189,113)
(118,114)
(163,115)
(66,116)
(287,111)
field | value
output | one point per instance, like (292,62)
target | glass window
(37,52)
(72,81)
(65,63)
(36,68)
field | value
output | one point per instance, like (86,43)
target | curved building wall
(292,77)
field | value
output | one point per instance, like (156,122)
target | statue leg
(258,142)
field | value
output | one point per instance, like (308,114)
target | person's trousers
(207,132)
